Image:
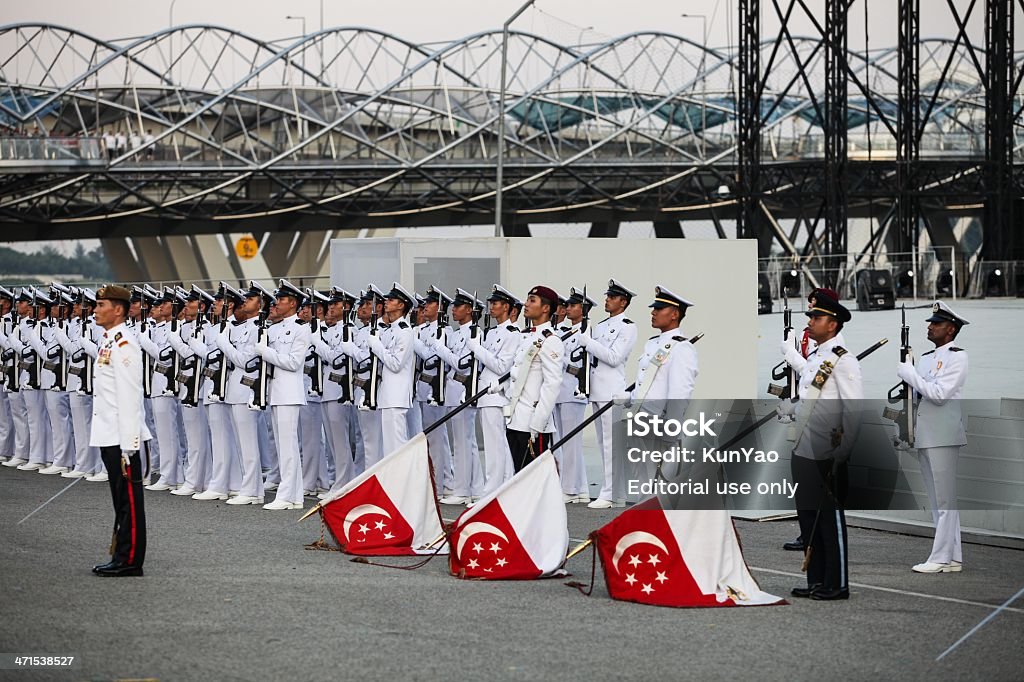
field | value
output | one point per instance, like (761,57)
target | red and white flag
(678,558)
(518,532)
(388,510)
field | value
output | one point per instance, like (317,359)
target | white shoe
(929,567)
(53,469)
(582,498)
(14,462)
(159,486)
(321,496)
(270,486)
(232,493)
(147,481)
(279,505)
(245,499)
(98,477)
(309,493)
(74,473)
(31,466)
(455,499)
(183,491)
(4,458)
(600,504)
(210,495)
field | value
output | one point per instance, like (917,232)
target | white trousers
(285,420)
(197,433)
(468,478)
(938,468)
(497,455)
(438,445)
(19,419)
(358,445)
(58,410)
(338,429)
(87,458)
(6,427)
(414,417)
(613,488)
(167,419)
(225,473)
(311,445)
(247,429)
(38,425)
(572,470)
(394,429)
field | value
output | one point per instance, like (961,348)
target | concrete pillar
(604,228)
(212,253)
(157,265)
(121,259)
(183,259)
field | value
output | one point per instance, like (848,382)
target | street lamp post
(302,62)
(501,116)
(703,83)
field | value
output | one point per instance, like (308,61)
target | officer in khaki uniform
(938,382)
(119,429)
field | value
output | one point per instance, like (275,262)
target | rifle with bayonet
(373,364)
(194,381)
(31,361)
(344,362)
(169,361)
(10,357)
(439,380)
(216,362)
(85,372)
(582,356)
(316,370)
(903,394)
(468,362)
(57,358)
(261,367)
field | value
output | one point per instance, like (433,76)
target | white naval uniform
(166,409)
(40,450)
(570,410)
(7,430)
(438,443)
(199,457)
(311,426)
(337,417)
(87,458)
(285,348)
(19,414)
(368,420)
(58,407)
(394,349)
(468,475)
(238,344)
(938,381)
(496,356)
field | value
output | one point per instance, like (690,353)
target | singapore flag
(518,532)
(390,508)
(670,557)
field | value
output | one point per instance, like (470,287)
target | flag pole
(578,548)
(436,425)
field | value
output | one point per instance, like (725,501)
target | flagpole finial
(312,511)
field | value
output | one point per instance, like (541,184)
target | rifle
(58,358)
(194,381)
(902,393)
(783,369)
(370,385)
(260,382)
(147,361)
(85,372)
(219,375)
(469,361)
(30,360)
(582,356)
(170,361)
(10,358)
(316,372)
(439,381)
(344,362)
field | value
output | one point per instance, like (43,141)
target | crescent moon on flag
(630,539)
(474,528)
(361,510)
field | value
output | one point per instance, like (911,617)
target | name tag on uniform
(103,357)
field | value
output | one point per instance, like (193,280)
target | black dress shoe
(804,592)
(821,594)
(114,570)
(795,546)
(98,567)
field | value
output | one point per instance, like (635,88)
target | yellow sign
(247,248)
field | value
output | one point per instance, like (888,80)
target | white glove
(126,457)
(906,372)
(586,338)
(376,346)
(262,348)
(223,340)
(494,387)
(534,433)
(349,348)
(473,345)
(623,397)
(785,408)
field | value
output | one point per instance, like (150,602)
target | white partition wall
(719,276)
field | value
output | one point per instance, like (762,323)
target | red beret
(831,293)
(545,292)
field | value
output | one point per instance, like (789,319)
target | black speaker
(905,284)
(875,290)
(789,283)
(944,284)
(994,280)
(764,295)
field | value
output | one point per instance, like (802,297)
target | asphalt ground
(230,594)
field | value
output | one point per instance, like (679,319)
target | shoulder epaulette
(511,327)
(402,324)
(626,320)
(679,338)
(839,351)
(547,333)
(928,353)
(955,349)
(654,337)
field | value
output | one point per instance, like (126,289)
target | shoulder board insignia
(402,325)
(928,353)
(839,351)
(955,349)
(626,320)
(546,333)
(117,336)
(511,327)
(679,338)
(654,337)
